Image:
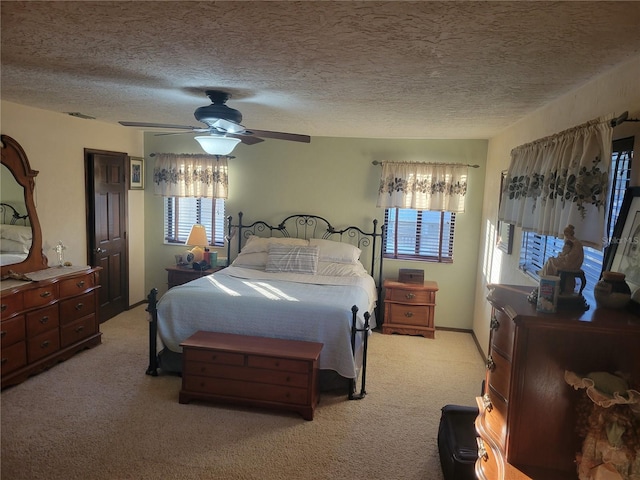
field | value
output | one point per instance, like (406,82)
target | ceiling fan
(223,127)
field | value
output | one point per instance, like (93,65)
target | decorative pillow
(17,233)
(251,260)
(336,252)
(334,269)
(292,258)
(257,244)
(11,246)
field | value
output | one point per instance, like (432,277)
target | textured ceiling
(343,69)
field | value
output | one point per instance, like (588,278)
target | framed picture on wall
(136,173)
(504,231)
(623,253)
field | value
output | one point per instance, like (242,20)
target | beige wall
(334,178)
(55,143)
(611,93)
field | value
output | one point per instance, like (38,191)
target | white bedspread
(253,302)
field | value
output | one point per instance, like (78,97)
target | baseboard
(473,335)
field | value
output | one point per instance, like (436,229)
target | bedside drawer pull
(408,314)
(4,360)
(486,402)
(495,324)
(80,306)
(79,328)
(45,344)
(410,295)
(482,451)
(491,365)
(44,320)
(4,307)
(3,333)
(80,284)
(45,294)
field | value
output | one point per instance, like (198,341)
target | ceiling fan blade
(247,139)
(160,125)
(293,137)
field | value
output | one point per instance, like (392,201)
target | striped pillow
(293,259)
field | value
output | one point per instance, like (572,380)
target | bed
(15,235)
(300,279)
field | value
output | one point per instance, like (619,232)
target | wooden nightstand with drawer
(409,308)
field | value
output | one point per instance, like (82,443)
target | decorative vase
(612,291)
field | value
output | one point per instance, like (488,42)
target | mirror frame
(14,158)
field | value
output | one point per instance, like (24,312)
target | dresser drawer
(246,390)
(77,307)
(76,285)
(420,315)
(38,297)
(411,296)
(499,374)
(42,320)
(494,417)
(256,375)
(502,333)
(12,331)
(43,345)
(213,356)
(11,304)
(78,330)
(281,364)
(13,357)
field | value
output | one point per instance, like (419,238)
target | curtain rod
(623,118)
(376,162)
(228,156)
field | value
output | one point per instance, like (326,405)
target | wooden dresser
(245,370)
(409,308)
(47,320)
(528,412)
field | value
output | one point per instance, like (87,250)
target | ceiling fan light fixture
(217,144)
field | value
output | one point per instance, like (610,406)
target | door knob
(100,250)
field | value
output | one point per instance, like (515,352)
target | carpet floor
(97,416)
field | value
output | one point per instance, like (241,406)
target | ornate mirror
(21,241)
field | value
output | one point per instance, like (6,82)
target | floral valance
(423,186)
(561,180)
(184,175)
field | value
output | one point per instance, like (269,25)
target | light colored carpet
(98,416)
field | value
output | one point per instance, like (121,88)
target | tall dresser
(527,417)
(47,320)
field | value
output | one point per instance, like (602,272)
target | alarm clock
(187,258)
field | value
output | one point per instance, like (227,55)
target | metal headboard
(6,209)
(313,226)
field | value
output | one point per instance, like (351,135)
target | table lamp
(198,240)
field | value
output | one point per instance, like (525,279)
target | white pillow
(11,246)
(341,269)
(257,244)
(336,252)
(292,258)
(17,233)
(251,260)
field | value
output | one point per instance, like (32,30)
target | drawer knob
(80,284)
(79,328)
(4,360)
(3,333)
(410,295)
(486,402)
(4,307)
(80,306)
(408,314)
(491,365)
(482,450)
(45,344)
(214,357)
(45,294)
(44,320)
(495,324)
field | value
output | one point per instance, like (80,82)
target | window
(536,249)
(419,235)
(180,213)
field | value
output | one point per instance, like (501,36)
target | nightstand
(177,275)
(409,308)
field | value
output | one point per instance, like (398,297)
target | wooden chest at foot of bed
(252,371)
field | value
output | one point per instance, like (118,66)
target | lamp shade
(198,236)
(217,144)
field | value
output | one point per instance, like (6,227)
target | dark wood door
(106,227)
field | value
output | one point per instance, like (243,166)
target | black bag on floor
(457,443)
